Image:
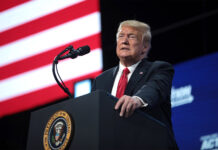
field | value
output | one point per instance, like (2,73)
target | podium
(97,126)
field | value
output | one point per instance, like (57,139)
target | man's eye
(132,36)
(121,35)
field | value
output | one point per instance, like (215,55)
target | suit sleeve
(157,88)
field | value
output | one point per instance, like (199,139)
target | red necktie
(122,83)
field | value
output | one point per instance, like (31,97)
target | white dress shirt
(117,78)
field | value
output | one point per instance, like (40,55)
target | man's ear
(145,50)
(145,47)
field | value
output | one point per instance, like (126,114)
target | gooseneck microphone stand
(55,71)
(72,54)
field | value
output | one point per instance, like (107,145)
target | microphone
(74,53)
(83,50)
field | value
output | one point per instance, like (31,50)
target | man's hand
(128,105)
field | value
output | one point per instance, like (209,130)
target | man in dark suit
(148,84)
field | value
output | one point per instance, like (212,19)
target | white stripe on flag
(43,77)
(51,38)
(30,11)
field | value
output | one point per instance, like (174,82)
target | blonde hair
(141,26)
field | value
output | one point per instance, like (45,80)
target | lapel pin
(140,72)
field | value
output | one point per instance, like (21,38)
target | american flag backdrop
(32,33)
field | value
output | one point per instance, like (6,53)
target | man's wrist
(141,100)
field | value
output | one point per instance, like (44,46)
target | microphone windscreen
(84,50)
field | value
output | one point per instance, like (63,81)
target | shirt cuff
(143,103)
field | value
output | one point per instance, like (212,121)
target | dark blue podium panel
(97,126)
(195,103)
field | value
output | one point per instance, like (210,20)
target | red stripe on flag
(39,98)
(45,58)
(49,21)
(6,4)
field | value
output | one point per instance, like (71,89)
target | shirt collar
(131,68)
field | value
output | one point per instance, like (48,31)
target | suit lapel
(109,86)
(115,70)
(137,75)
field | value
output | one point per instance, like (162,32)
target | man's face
(130,48)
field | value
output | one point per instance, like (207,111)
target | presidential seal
(58,131)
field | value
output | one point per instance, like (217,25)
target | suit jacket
(151,81)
